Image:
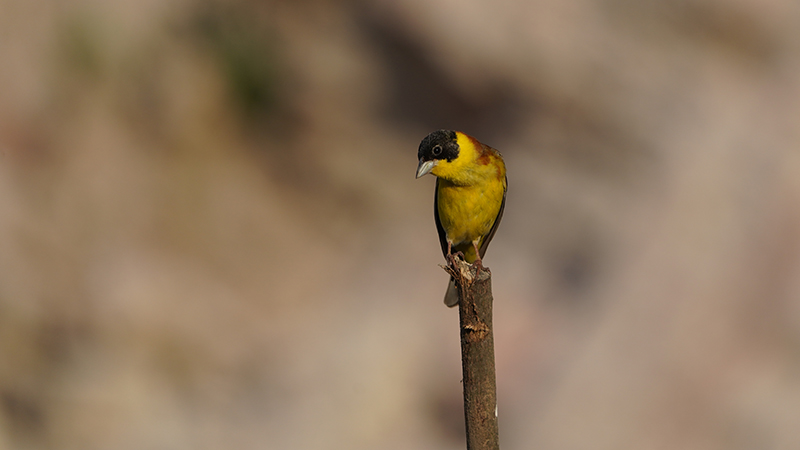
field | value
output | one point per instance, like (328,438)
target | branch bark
(477,353)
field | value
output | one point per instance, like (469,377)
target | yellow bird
(470,194)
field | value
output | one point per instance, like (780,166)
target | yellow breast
(467,213)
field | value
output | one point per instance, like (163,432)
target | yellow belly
(467,213)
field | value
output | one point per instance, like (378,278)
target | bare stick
(477,353)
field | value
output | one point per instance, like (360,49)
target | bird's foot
(478,267)
(452,258)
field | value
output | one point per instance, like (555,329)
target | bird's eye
(437,150)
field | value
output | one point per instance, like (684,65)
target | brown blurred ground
(211,236)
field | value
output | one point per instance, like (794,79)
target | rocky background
(211,236)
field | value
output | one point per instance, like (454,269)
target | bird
(469,198)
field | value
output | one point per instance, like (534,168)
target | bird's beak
(424,167)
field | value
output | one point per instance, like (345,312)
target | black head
(438,145)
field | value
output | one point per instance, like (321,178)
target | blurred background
(211,235)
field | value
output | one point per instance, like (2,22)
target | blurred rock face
(212,237)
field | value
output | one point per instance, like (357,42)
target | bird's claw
(478,267)
(452,257)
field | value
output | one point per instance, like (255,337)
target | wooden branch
(477,353)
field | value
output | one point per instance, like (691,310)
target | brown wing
(490,235)
(442,234)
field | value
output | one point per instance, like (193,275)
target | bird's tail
(451,296)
